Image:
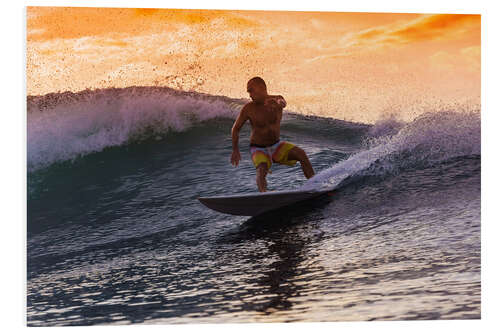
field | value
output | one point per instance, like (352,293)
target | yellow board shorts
(277,152)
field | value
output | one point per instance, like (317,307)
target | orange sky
(354,66)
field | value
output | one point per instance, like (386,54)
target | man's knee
(262,168)
(297,153)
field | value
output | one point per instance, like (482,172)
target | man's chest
(265,118)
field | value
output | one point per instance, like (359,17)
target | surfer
(264,113)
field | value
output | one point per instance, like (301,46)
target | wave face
(116,233)
(65,126)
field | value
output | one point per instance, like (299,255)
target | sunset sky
(354,66)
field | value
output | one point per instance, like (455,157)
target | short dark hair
(259,80)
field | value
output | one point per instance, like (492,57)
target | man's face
(256,91)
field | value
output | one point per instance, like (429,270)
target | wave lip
(64,126)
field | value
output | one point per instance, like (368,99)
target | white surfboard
(253,204)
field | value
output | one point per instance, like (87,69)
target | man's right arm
(235,132)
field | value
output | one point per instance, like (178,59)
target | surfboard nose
(232,207)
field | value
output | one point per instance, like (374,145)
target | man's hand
(271,103)
(235,157)
(275,102)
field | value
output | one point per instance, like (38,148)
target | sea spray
(430,138)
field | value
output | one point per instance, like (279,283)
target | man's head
(257,89)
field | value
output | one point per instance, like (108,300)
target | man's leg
(261,177)
(300,155)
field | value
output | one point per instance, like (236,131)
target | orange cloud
(424,28)
(468,58)
(443,60)
(45,23)
(472,55)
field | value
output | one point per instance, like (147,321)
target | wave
(391,146)
(64,126)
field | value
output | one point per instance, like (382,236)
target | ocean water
(117,236)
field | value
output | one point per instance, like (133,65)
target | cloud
(443,60)
(328,56)
(423,28)
(472,55)
(467,58)
(46,23)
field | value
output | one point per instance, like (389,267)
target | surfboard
(253,204)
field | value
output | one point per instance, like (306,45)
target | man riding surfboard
(264,113)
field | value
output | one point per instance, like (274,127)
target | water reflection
(282,231)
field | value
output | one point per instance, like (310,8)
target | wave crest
(64,126)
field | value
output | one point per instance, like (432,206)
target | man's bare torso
(265,122)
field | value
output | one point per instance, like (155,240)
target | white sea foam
(65,126)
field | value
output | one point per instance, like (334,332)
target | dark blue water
(116,235)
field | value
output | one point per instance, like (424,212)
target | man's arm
(235,133)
